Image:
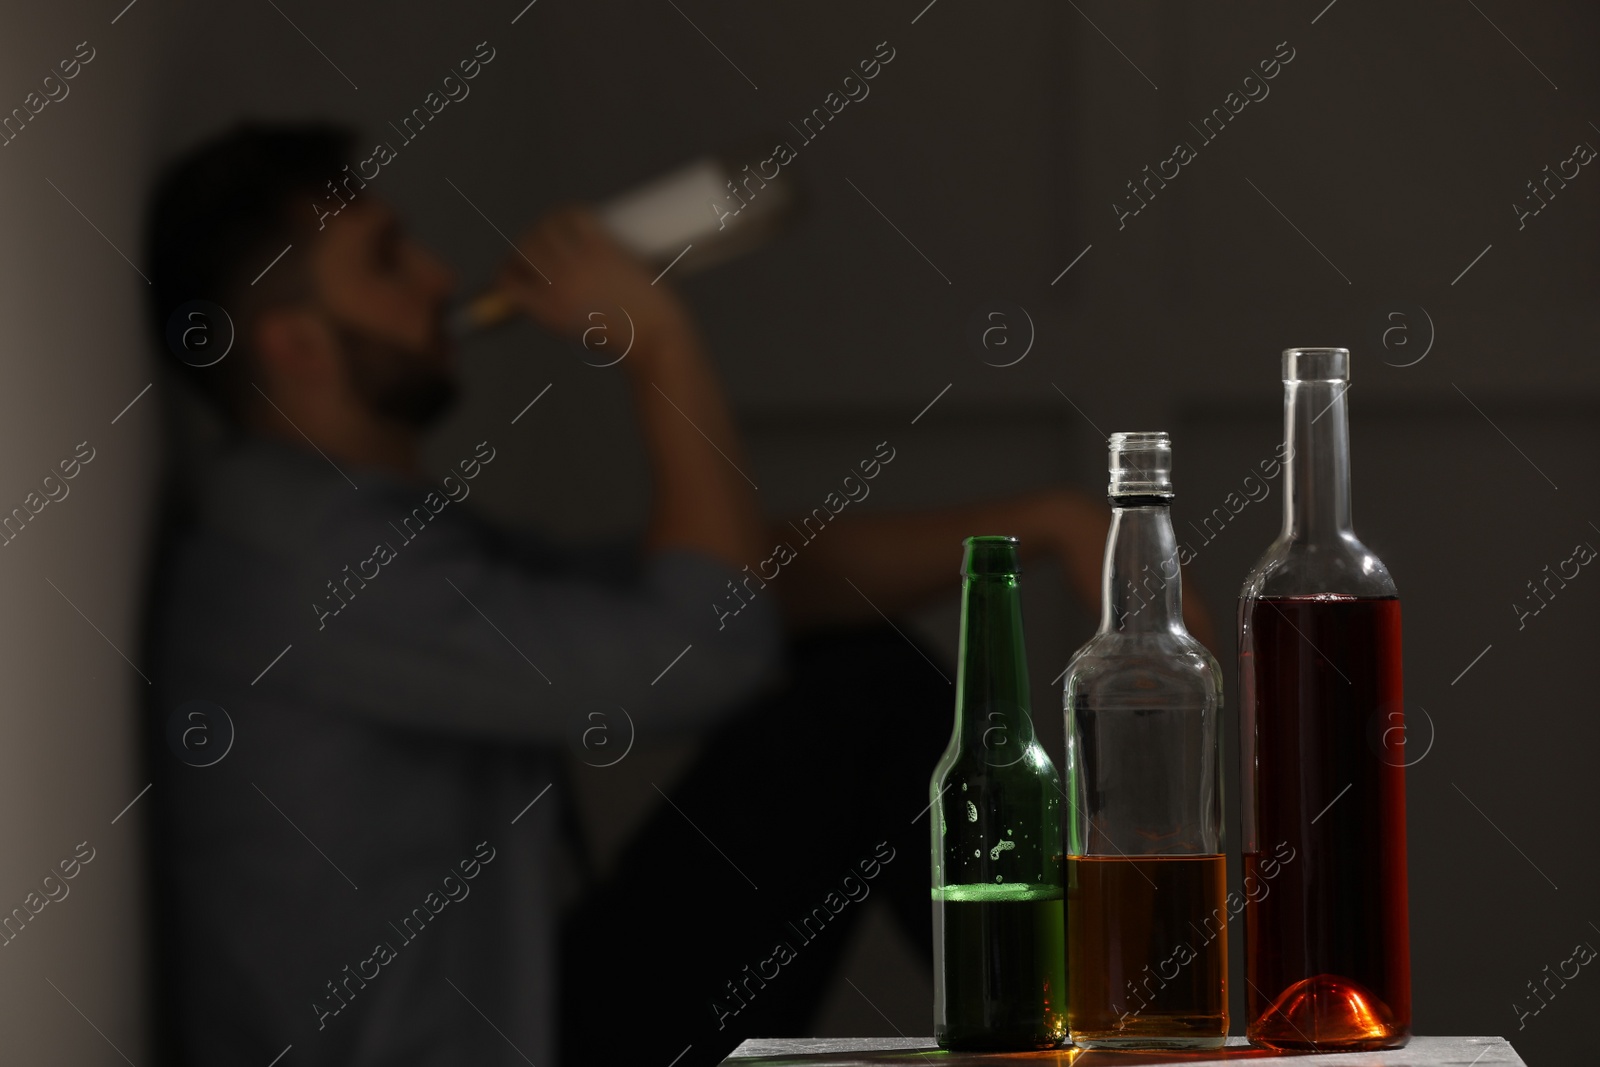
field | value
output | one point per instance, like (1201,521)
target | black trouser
(795,802)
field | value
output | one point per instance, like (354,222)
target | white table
(859,1051)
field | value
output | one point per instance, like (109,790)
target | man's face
(386,298)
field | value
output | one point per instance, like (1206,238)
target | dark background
(1397,141)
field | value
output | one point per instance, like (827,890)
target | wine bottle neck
(992,698)
(1316,499)
(1140,588)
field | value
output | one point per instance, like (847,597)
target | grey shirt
(349,879)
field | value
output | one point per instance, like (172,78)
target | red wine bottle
(1322,728)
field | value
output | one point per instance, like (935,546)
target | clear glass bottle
(720,205)
(1146,872)
(999,963)
(1322,728)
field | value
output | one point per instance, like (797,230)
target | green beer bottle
(999,945)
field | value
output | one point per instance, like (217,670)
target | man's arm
(702,498)
(455,636)
(899,561)
(469,639)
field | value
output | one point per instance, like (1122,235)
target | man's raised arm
(703,498)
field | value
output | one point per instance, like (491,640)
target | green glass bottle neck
(1140,588)
(992,698)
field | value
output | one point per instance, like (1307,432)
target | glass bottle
(1322,728)
(1146,872)
(999,957)
(720,205)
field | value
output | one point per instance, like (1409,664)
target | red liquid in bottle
(1327,958)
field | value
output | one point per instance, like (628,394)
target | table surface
(857,1051)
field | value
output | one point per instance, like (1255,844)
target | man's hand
(1074,529)
(898,561)
(567,266)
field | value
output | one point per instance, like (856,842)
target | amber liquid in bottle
(1143,969)
(1322,676)
(1146,917)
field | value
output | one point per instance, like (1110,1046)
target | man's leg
(728,916)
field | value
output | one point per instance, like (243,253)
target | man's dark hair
(218,216)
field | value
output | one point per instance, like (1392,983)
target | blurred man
(370,875)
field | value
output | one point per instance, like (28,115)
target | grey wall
(72,982)
(1385,159)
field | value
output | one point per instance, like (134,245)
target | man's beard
(405,385)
